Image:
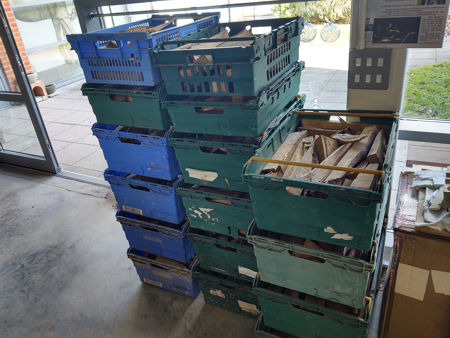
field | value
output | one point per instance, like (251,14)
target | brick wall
(4,61)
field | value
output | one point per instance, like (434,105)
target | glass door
(23,138)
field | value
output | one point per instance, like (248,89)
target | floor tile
(90,139)
(75,117)
(74,153)
(59,145)
(55,128)
(83,171)
(73,134)
(95,161)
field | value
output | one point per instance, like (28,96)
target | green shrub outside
(317,12)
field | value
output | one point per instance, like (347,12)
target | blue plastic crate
(157,237)
(166,274)
(129,60)
(139,151)
(145,196)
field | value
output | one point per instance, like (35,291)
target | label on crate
(153,282)
(204,175)
(247,307)
(132,210)
(247,272)
(217,293)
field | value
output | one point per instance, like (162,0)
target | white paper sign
(406,23)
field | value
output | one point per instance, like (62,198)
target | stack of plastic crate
(123,87)
(319,254)
(222,111)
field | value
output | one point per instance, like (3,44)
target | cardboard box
(418,303)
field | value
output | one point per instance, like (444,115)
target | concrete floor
(64,271)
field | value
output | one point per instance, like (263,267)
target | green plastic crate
(318,273)
(346,217)
(222,168)
(225,117)
(128,106)
(226,212)
(223,254)
(231,70)
(227,292)
(263,331)
(300,317)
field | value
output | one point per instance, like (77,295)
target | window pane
(16,130)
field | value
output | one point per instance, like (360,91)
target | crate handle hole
(209,110)
(180,287)
(129,140)
(306,256)
(120,98)
(218,200)
(139,187)
(159,267)
(225,247)
(307,309)
(214,150)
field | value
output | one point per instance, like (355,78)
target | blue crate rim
(97,130)
(138,257)
(111,175)
(112,34)
(121,217)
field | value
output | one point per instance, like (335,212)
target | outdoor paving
(68,118)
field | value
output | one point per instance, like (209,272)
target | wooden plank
(378,149)
(347,138)
(336,125)
(245,33)
(354,155)
(365,181)
(361,165)
(325,146)
(285,152)
(302,148)
(347,182)
(147,29)
(221,35)
(319,175)
(318,131)
(309,157)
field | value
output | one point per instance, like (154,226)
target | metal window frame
(48,161)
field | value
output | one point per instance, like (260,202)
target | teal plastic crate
(128,106)
(231,70)
(216,161)
(226,212)
(343,215)
(223,116)
(304,316)
(223,254)
(263,331)
(320,273)
(227,292)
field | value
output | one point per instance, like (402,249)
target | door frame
(47,162)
